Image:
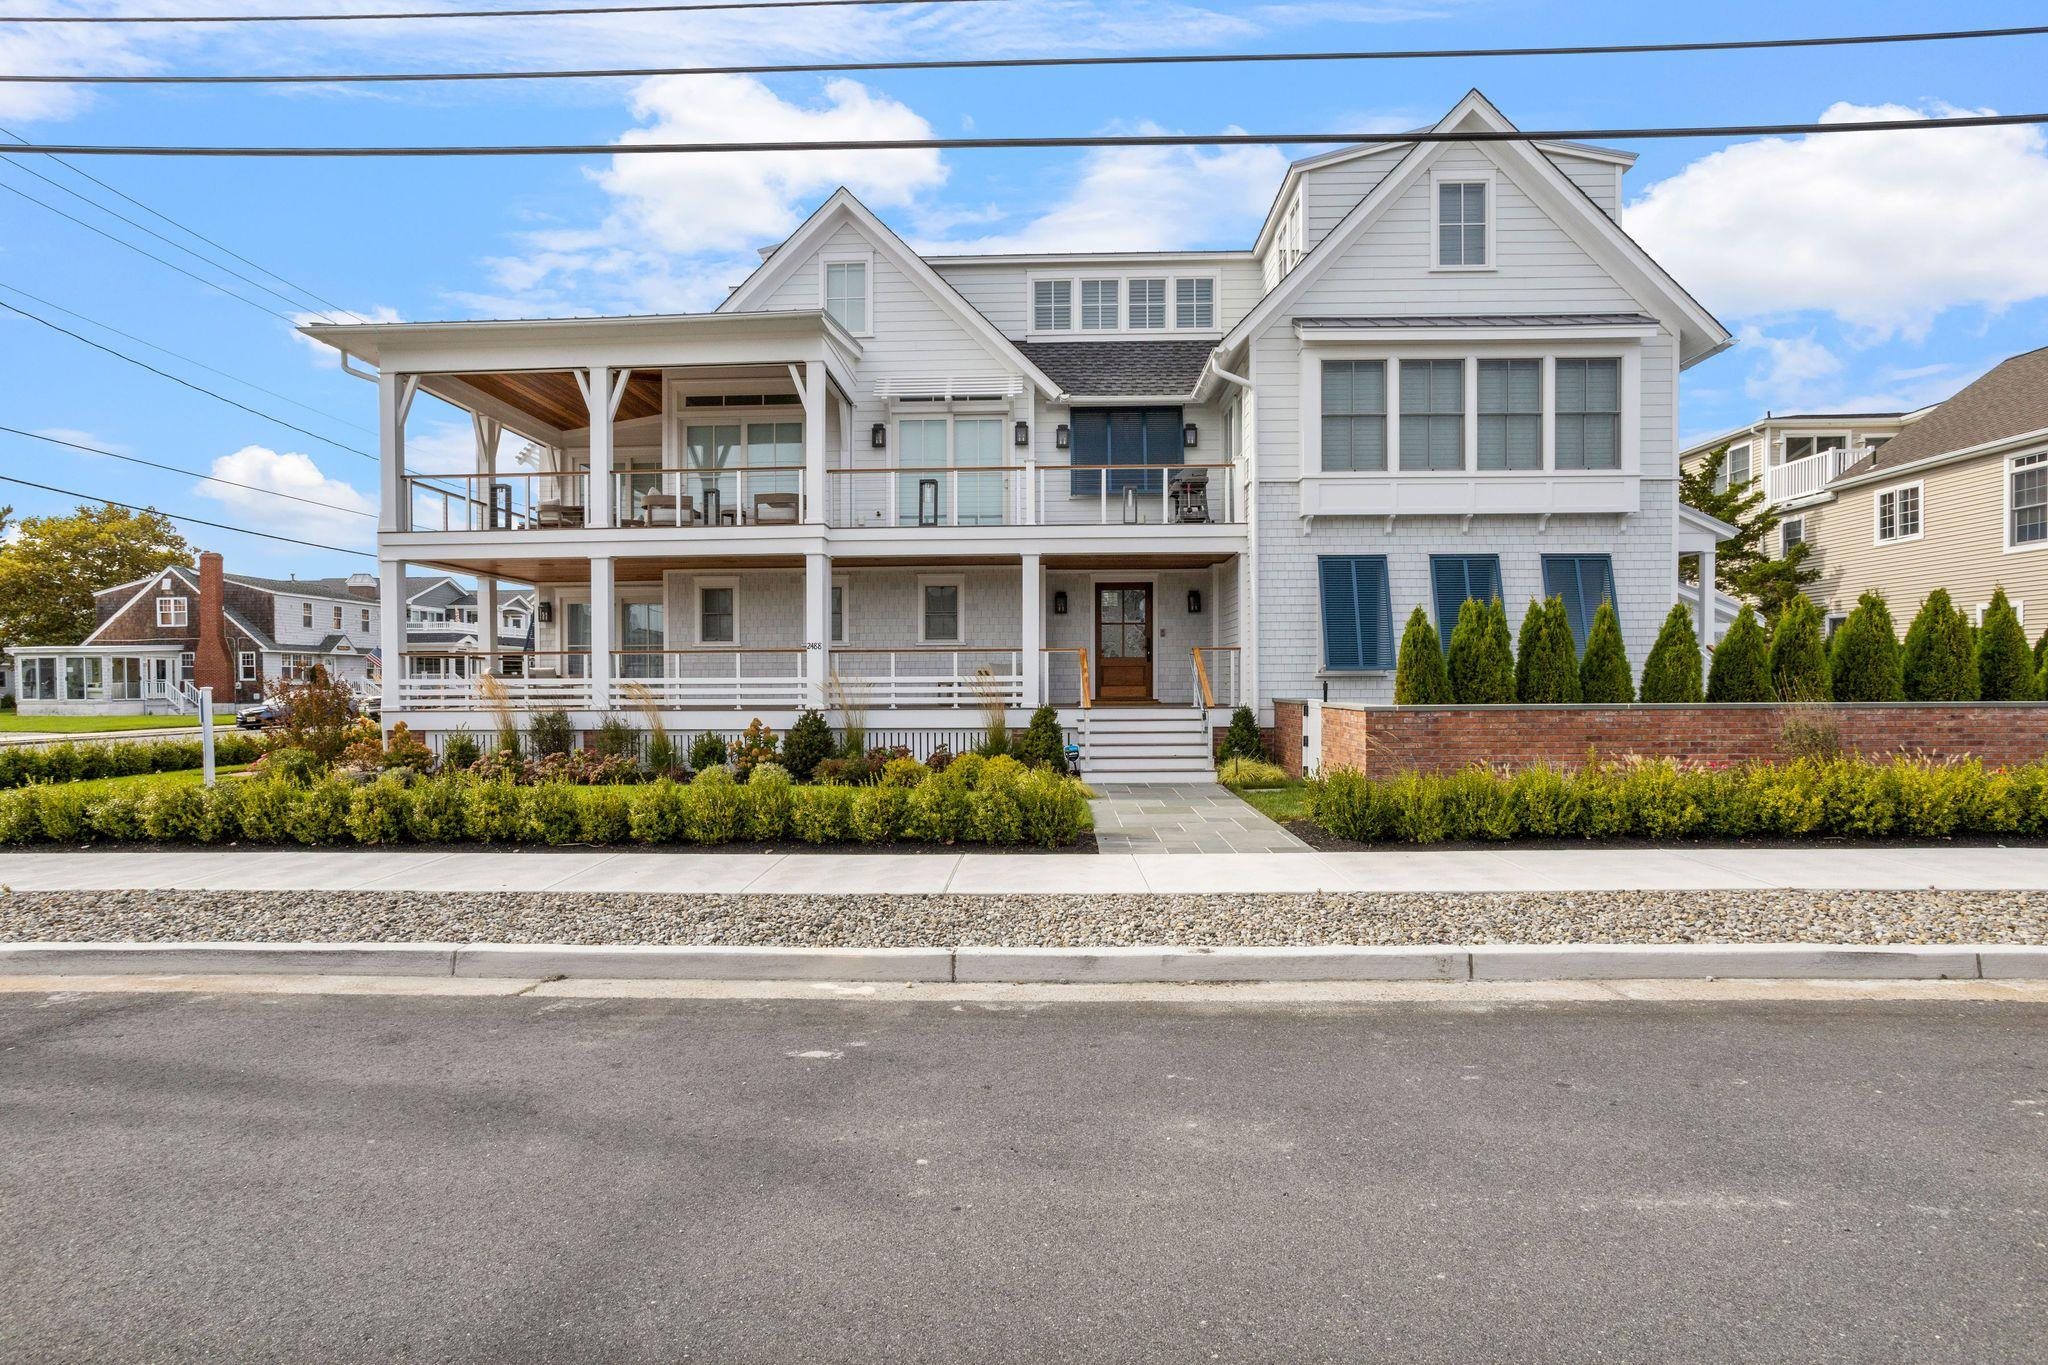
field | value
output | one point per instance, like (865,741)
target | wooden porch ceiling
(553,397)
(649,568)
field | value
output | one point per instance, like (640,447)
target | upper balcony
(1810,475)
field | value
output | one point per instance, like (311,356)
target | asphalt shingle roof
(2011,400)
(1120,369)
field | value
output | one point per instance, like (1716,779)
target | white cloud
(289,472)
(1788,367)
(1884,230)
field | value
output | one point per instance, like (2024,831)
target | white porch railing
(520,501)
(1810,474)
(1134,495)
(931,675)
(710,677)
(1212,675)
(441,680)
(740,495)
(1063,677)
(928,495)
(1030,494)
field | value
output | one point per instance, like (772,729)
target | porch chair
(775,509)
(1191,496)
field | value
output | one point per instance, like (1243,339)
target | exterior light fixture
(1060,436)
(1194,601)
(1023,433)
(547,612)
(1059,602)
(878,436)
(1190,436)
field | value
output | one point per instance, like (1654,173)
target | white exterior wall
(292,635)
(1001,290)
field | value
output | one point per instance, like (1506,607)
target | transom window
(1098,305)
(2029,498)
(1052,305)
(1354,415)
(1511,414)
(1461,223)
(1432,414)
(1588,414)
(1898,513)
(1148,305)
(1194,303)
(170,611)
(846,294)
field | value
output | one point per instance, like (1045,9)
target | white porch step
(1145,745)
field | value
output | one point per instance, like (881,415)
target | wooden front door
(1123,641)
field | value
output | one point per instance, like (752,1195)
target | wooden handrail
(1202,677)
(1080,653)
(714,649)
(926,649)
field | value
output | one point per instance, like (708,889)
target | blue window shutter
(1584,582)
(1452,579)
(1357,614)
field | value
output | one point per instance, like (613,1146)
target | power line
(1090,140)
(177,355)
(190,231)
(1033,63)
(180,516)
(122,241)
(196,388)
(190,473)
(554,12)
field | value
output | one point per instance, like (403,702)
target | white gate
(1311,738)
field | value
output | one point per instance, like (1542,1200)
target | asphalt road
(333,1177)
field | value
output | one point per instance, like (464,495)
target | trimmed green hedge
(1661,799)
(996,802)
(21,764)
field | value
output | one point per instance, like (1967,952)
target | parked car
(260,716)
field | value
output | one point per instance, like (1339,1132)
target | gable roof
(1122,369)
(1569,207)
(843,206)
(2011,400)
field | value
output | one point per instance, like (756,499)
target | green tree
(1864,663)
(50,572)
(1799,654)
(1603,673)
(2040,645)
(1937,660)
(1550,656)
(1741,670)
(1672,672)
(1743,564)
(1420,678)
(1482,658)
(2004,663)
(1526,641)
(808,743)
(1242,739)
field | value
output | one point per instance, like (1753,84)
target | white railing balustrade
(1810,474)
(442,680)
(927,495)
(740,495)
(1030,494)
(494,502)
(710,677)
(1133,495)
(930,675)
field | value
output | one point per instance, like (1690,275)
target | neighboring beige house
(1956,499)
(1796,455)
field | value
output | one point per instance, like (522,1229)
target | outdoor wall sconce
(1023,433)
(878,436)
(1059,603)
(1194,601)
(547,612)
(1060,436)
(1189,435)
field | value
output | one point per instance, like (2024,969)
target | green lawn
(1280,803)
(13,724)
(139,782)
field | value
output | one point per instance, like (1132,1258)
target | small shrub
(437,813)
(1241,740)
(220,812)
(174,814)
(459,750)
(1238,773)
(550,813)
(1741,670)
(755,746)
(1043,743)
(1936,661)
(63,813)
(1672,672)
(607,816)
(2005,669)
(993,815)
(1551,674)
(1603,673)
(908,772)
(550,732)
(616,737)
(492,812)
(265,808)
(995,739)
(808,743)
(707,750)
(377,811)
(716,812)
(1544,802)
(1351,806)
(662,758)
(20,822)
(1864,662)
(1052,810)
(879,814)
(768,800)
(301,767)
(116,816)
(319,814)
(320,713)
(821,815)
(840,772)
(939,807)
(1481,665)
(659,812)
(1799,656)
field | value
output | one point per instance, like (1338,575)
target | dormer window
(1133,304)
(846,294)
(1052,305)
(1194,304)
(1148,305)
(1099,305)
(1461,225)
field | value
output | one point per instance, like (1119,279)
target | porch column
(603,388)
(604,614)
(1033,635)
(814,442)
(487,620)
(394,400)
(817,626)
(1706,623)
(391,628)
(487,429)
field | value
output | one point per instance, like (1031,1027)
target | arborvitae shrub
(1936,661)
(1497,671)
(1526,641)
(1420,678)
(1672,672)
(1865,664)
(1043,744)
(1481,661)
(1242,739)
(1603,673)
(459,750)
(808,743)
(2005,669)
(1799,655)
(1550,666)
(1741,670)
(551,732)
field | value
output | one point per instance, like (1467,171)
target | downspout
(1248,592)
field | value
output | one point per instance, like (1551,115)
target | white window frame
(1437,180)
(1877,537)
(306,615)
(1785,543)
(248,666)
(1122,278)
(366,620)
(1131,304)
(863,259)
(958,582)
(172,612)
(697,587)
(2018,605)
(1054,305)
(1725,478)
(1115,305)
(1194,281)
(2033,459)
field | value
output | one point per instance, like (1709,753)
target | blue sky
(1858,270)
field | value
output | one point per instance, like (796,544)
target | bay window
(1432,414)
(1511,414)
(1588,414)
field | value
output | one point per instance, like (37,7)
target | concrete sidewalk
(1893,868)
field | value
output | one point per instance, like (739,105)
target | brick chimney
(211,666)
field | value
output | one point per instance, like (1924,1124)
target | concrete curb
(1450,962)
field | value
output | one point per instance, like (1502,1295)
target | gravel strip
(874,921)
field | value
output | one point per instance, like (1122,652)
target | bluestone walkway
(1896,868)
(1185,817)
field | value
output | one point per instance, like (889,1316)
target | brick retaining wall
(1286,742)
(1447,738)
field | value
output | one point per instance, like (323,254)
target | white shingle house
(1143,487)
